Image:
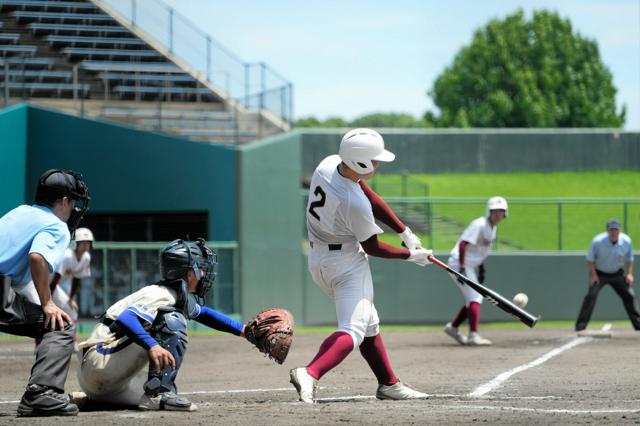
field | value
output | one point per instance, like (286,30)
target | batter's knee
(356,333)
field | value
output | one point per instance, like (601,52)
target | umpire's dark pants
(621,287)
(23,318)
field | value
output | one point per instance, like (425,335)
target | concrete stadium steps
(73,56)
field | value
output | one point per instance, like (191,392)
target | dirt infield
(583,381)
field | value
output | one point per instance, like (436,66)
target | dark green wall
(271,229)
(13,157)
(475,150)
(129,170)
(404,293)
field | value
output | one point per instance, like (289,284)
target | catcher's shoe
(306,385)
(399,391)
(453,332)
(40,401)
(166,401)
(79,398)
(477,340)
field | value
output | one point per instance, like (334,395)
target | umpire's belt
(331,247)
(617,273)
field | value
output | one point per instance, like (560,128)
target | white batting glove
(410,240)
(420,256)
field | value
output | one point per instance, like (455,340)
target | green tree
(370,120)
(387,120)
(518,73)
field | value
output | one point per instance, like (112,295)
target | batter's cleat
(477,340)
(399,391)
(166,401)
(306,385)
(453,332)
(40,401)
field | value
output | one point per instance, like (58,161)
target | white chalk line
(543,410)
(497,381)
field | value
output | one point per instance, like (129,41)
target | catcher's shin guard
(171,333)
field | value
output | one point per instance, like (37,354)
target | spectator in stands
(33,240)
(610,252)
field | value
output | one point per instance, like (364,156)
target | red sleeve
(381,209)
(461,250)
(374,247)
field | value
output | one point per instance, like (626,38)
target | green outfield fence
(534,224)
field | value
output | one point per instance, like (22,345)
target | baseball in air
(521,300)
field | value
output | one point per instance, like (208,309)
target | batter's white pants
(116,378)
(344,275)
(470,295)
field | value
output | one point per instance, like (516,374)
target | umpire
(33,240)
(609,252)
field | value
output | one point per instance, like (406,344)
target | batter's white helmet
(83,234)
(497,203)
(359,146)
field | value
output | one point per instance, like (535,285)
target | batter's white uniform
(69,267)
(479,234)
(115,370)
(338,212)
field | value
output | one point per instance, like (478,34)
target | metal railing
(533,224)
(120,268)
(78,92)
(250,84)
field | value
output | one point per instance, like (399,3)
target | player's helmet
(359,146)
(84,234)
(497,203)
(180,256)
(55,184)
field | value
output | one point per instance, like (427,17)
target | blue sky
(350,58)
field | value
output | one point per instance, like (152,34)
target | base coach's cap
(613,224)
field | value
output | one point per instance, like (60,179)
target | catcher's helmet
(359,146)
(55,184)
(180,256)
(497,203)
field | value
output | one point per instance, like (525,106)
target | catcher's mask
(55,184)
(180,256)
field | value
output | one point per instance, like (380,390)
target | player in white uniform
(468,258)
(75,264)
(341,215)
(133,355)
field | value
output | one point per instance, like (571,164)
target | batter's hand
(420,256)
(73,305)
(410,240)
(54,316)
(161,358)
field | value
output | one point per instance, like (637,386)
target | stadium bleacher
(73,49)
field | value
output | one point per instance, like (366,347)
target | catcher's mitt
(271,331)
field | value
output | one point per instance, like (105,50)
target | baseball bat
(493,297)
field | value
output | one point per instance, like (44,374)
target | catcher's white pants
(470,295)
(344,275)
(60,297)
(116,378)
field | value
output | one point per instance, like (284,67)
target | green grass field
(561,221)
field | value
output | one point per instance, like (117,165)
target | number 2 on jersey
(318,203)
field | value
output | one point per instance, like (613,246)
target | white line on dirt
(497,381)
(544,410)
(206,392)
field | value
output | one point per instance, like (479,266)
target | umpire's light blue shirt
(609,257)
(30,229)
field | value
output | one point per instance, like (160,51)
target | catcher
(134,353)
